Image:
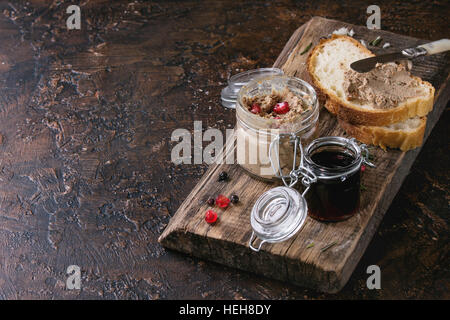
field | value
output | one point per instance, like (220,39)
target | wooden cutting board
(304,259)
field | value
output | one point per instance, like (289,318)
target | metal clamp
(366,156)
(252,238)
(412,53)
(308,177)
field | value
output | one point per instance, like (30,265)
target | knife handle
(436,46)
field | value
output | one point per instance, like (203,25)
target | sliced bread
(327,64)
(405,135)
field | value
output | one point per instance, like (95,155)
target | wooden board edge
(191,196)
(290,45)
(212,168)
(381,31)
(262,263)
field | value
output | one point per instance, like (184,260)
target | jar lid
(277,215)
(229,94)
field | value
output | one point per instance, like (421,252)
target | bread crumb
(344,32)
(341,31)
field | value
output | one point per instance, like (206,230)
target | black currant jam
(335,195)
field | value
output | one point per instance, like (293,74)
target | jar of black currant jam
(336,162)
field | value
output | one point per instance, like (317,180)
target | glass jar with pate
(273,109)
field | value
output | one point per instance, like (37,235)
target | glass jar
(336,162)
(255,134)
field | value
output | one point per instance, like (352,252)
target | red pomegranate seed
(281,108)
(210,216)
(255,108)
(222,201)
(363,168)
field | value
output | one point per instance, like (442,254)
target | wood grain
(295,260)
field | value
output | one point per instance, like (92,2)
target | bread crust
(374,117)
(381,136)
(384,137)
(331,106)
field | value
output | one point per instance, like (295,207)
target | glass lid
(277,215)
(229,94)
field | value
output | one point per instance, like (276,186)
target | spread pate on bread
(383,87)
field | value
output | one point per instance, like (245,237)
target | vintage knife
(368,64)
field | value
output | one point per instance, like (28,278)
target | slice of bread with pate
(386,95)
(405,135)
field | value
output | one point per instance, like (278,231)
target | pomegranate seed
(210,216)
(281,108)
(255,108)
(222,201)
(363,168)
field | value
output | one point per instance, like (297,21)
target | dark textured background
(85,124)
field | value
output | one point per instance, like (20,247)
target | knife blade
(368,64)
(365,65)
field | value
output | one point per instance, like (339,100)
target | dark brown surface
(86,177)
